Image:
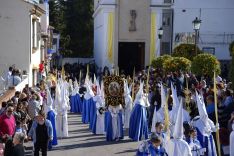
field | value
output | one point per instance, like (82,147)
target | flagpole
(216,115)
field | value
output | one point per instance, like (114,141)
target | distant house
(24,35)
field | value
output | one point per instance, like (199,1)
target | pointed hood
(163,96)
(94,79)
(126,89)
(202,111)
(49,98)
(178,130)
(89,92)
(98,88)
(139,96)
(87,81)
(174,97)
(76,88)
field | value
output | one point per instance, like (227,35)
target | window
(166,19)
(210,50)
(166,48)
(36,33)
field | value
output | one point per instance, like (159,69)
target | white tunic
(158,117)
(100,127)
(115,126)
(177,147)
(127,110)
(62,108)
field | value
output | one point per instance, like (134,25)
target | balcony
(162,3)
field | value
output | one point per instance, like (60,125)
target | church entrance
(131,54)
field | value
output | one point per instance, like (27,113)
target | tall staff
(133,84)
(216,115)
(80,77)
(87,74)
(147,81)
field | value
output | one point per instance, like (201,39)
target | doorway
(131,54)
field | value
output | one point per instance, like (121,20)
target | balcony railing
(168,1)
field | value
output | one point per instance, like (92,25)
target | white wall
(14,33)
(217,22)
(45,17)
(100,35)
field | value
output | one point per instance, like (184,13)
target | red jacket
(41,67)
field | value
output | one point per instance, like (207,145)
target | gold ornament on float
(114,90)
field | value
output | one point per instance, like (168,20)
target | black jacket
(18,150)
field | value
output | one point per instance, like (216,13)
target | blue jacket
(32,132)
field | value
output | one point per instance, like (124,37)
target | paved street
(82,142)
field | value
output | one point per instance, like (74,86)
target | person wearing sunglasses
(7,122)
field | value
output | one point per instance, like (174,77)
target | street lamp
(160,32)
(196,27)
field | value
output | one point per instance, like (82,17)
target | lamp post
(160,34)
(196,27)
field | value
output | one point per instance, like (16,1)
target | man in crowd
(7,122)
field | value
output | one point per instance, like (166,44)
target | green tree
(186,50)
(159,61)
(73,19)
(177,64)
(205,65)
(80,27)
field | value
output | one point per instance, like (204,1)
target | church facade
(126,32)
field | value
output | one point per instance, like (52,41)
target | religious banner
(114,90)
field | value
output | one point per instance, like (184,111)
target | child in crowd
(194,143)
(151,147)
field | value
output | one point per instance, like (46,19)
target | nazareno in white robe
(177,147)
(62,108)
(100,127)
(127,110)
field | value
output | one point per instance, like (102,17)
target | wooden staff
(80,77)
(63,73)
(87,74)
(166,113)
(187,97)
(133,84)
(216,115)
(147,81)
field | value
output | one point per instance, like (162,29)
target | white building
(21,45)
(216,32)
(126,31)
